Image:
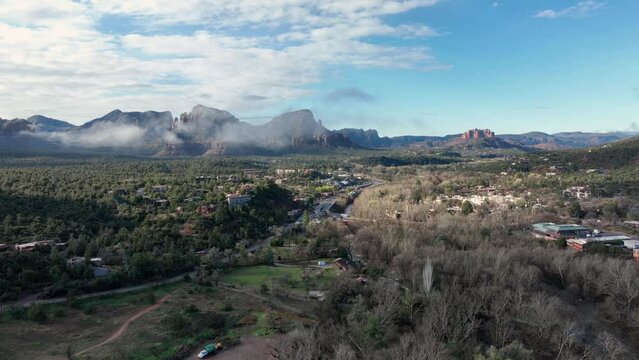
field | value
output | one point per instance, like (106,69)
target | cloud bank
(72,59)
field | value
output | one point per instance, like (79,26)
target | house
(76,260)
(294,214)
(252,173)
(341,174)
(577,192)
(576,244)
(117,192)
(235,200)
(301,201)
(345,264)
(317,295)
(4,247)
(568,231)
(282,172)
(159,188)
(161,203)
(32,245)
(634,224)
(205,210)
(101,271)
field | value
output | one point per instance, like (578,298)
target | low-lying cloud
(100,135)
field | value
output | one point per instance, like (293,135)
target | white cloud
(583,8)
(102,135)
(55,60)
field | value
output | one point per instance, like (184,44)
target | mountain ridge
(207,131)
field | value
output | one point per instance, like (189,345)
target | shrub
(89,308)
(58,312)
(226,306)
(17,312)
(146,298)
(264,289)
(191,309)
(37,313)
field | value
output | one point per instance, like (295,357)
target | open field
(289,277)
(135,324)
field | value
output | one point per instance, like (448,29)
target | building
(577,192)
(631,223)
(294,214)
(76,260)
(237,200)
(32,245)
(576,244)
(567,231)
(4,247)
(161,203)
(252,173)
(101,271)
(205,210)
(159,188)
(345,264)
(283,172)
(608,239)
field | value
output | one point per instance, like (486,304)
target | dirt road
(126,324)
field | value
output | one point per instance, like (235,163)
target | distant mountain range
(203,131)
(207,131)
(485,138)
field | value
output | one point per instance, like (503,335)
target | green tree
(306,219)
(575,210)
(467,208)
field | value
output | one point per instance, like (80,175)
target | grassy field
(288,277)
(71,326)
(80,324)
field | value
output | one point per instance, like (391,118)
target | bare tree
(612,347)
(427,277)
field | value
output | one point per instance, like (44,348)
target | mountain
(564,140)
(152,120)
(473,138)
(14,127)
(370,139)
(209,131)
(531,140)
(43,123)
(620,154)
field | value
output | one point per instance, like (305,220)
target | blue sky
(400,66)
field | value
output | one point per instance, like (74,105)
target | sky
(424,67)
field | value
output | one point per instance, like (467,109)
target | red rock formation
(477,134)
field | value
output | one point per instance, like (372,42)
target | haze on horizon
(399,66)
